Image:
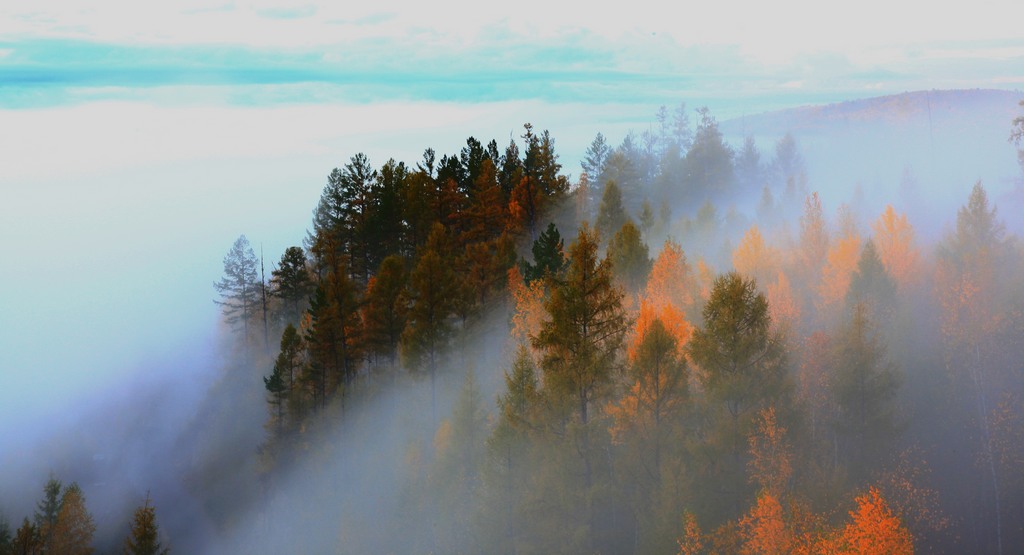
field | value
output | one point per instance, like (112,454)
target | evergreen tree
(630,257)
(291,281)
(708,163)
(5,535)
(595,158)
(240,288)
(145,533)
(73,531)
(865,385)
(742,369)
(548,255)
(871,286)
(47,510)
(611,215)
(581,341)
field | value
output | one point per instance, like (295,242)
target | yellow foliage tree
(754,258)
(894,238)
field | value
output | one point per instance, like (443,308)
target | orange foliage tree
(874,529)
(894,238)
(754,258)
(842,260)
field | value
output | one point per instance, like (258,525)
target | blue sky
(140,139)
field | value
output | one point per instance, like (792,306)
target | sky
(139,140)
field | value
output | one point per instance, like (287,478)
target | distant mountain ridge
(992,105)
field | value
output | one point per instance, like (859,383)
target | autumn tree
(144,538)
(72,533)
(27,539)
(240,288)
(334,335)
(384,312)
(894,238)
(431,294)
(874,529)
(755,259)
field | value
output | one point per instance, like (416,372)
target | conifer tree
(240,287)
(548,255)
(630,257)
(145,533)
(291,281)
(47,509)
(73,531)
(742,367)
(384,313)
(581,340)
(431,295)
(611,215)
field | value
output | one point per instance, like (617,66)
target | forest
(681,350)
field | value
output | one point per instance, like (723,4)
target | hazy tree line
(706,361)
(818,387)
(63,525)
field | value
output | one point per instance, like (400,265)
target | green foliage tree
(5,535)
(871,285)
(865,386)
(708,163)
(595,158)
(742,369)
(582,339)
(240,288)
(631,261)
(47,509)
(144,538)
(548,255)
(72,533)
(291,281)
(611,215)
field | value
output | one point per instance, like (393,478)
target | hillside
(924,146)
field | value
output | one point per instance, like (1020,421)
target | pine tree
(742,367)
(630,257)
(431,293)
(548,255)
(291,281)
(145,533)
(240,287)
(611,215)
(581,340)
(47,509)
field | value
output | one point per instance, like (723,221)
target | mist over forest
(792,332)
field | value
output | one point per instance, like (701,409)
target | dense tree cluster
(652,404)
(764,382)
